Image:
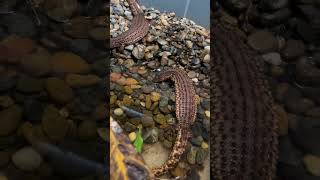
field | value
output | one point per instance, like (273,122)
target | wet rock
(293,49)
(115,76)
(29,85)
(10,119)
(272,58)
(128,90)
(7,83)
(305,134)
(292,172)
(3,33)
(206,58)
(275,18)
(138,52)
(129,127)
(194,175)
(167,144)
(99,67)
(306,30)
(288,153)
(155,96)
(300,105)
(263,41)
(45,170)
(283,123)
(103,133)
(191,156)
(164,101)
(192,74)
(147,89)
(204,145)
(207,113)
(6,101)
(27,159)
(306,73)
(273,5)
(99,33)
(7,142)
(179,170)
(66,62)
(161,119)
(197,140)
(285,91)
(59,91)
(148,102)
(236,6)
(151,136)
(4,54)
(60,10)
(201,155)
(81,45)
(17,47)
(4,158)
(77,81)
(162,42)
(310,12)
(27,129)
(129,63)
(36,64)
(189,44)
(314,112)
(131,81)
(101,112)
(127,101)
(312,93)
(8,5)
(312,164)
(277,71)
(94,151)
(53,124)
(20,24)
(33,110)
(147,121)
(118,112)
(132,136)
(153,64)
(87,130)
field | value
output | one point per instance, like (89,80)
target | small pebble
(207,113)
(155,96)
(118,112)
(27,159)
(312,164)
(204,145)
(132,136)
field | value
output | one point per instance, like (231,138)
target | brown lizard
(139,28)
(186,110)
(243,136)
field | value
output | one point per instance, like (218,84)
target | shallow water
(198,11)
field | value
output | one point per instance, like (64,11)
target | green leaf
(138,142)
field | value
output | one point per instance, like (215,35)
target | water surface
(198,10)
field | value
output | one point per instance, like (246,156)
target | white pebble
(118,112)
(27,159)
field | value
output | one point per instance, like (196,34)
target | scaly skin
(139,28)
(244,124)
(186,110)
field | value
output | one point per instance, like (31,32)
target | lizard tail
(177,151)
